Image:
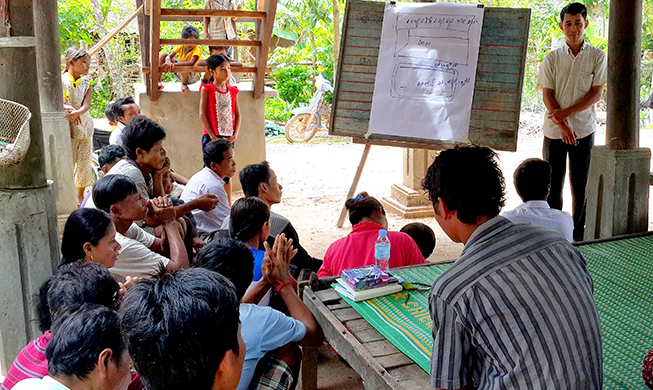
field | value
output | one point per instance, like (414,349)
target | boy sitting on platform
(533,182)
(189,55)
(269,335)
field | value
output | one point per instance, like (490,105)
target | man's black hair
(112,189)
(469,181)
(82,226)
(110,112)
(117,105)
(248,215)
(179,327)
(78,338)
(141,133)
(215,60)
(214,151)
(532,179)
(109,154)
(423,236)
(231,259)
(189,31)
(573,9)
(74,285)
(253,175)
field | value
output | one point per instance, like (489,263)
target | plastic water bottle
(382,251)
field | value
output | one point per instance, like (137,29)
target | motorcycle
(307,120)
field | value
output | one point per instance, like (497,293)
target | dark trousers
(555,152)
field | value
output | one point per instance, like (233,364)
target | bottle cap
(383,233)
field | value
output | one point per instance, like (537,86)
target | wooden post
(354,184)
(144,34)
(264,34)
(96,48)
(155,32)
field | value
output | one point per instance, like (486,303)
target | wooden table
(379,363)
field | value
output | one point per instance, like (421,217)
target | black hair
(231,259)
(74,285)
(225,48)
(109,154)
(190,31)
(423,236)
(469,181)
(215,60)
(75,53)
(117,105)
(78,338)
(141,133)
(532,179)
(214,151)
(179,326)
(83,225)
(253,175)
(110,112)
(112,189)
(248,215)
(573,9)
(362,206)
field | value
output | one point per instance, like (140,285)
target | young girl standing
(219,109)
(77,101)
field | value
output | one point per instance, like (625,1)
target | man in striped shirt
(516,310)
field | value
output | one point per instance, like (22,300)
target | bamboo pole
(96,48)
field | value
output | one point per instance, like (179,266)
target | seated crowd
(142,263)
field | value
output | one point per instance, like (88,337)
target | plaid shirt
(220,28)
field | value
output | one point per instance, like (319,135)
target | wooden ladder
(149,26)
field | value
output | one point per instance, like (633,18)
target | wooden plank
(144,34)
(211,42)
(155,36)
(373,374)
(212,13)
(411,377)
(309,368)
(381,348)
(347,314)
(365,334)
(498,83)
(395,360)
(354,184)
(235,69)
(328,296)
(339,305)
(264,34)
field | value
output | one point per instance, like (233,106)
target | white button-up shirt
(538,212)
(572,77)
(207,182)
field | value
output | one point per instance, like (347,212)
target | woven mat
(623,288)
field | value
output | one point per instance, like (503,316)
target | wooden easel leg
(352,189)
(309,368)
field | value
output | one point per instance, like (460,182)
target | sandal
(161,87)
(184,88)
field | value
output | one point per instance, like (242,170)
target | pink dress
(357,250)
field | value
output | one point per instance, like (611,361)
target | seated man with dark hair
(260,180)
(109,156)
(219,167)
(423,236)
(267,332)
(516,310)
(141,254)
(124,110)
(183,331)
(532,180)
(87,351)
(74,285)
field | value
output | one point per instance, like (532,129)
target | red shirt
(357,250)
(220,109)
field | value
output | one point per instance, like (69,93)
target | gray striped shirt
(516,311)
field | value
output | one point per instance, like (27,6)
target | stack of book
(362,283)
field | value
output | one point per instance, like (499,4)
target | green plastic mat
(623,288)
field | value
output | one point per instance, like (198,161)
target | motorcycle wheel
(298,130)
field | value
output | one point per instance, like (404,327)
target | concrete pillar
(56,129)
(408,199)
(178,114)
(618,183)
(28,235)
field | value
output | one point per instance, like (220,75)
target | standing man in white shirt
(219,167)
(572,79)
(532,180)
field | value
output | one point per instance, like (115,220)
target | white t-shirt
(45,383)
(115,137)
(538,212)
(135,258)
(207,182)
(264,329)
(572,77)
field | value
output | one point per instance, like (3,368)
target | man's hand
(206,202)
(159,211)
(129,281)
(568,135)
(276,261)
(558,115)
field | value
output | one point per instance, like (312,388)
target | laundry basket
(14,133)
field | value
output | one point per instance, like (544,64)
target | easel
(498,85)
